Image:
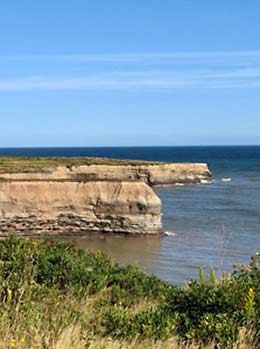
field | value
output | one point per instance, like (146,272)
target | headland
(64,196)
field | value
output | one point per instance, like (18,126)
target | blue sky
(112,73)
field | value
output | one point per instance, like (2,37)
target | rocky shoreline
(41,197)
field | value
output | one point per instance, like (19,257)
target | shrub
(45,286)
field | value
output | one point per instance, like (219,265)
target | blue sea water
(215,224)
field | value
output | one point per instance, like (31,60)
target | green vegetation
(10,164)
(56,296)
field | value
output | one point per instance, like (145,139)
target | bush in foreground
(48,289)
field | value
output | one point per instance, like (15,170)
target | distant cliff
(51,196)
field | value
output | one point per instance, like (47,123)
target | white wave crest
(169,233)
(226,179)
(205,181)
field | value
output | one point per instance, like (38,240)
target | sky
(129,73)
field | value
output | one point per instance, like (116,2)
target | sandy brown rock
(68,195)
(153,174)
(52,208)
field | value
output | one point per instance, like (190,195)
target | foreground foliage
(49,289)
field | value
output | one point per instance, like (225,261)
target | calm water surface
(196,214)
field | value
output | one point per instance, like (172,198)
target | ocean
(216,224)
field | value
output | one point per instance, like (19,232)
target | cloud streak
(153,71)
(152,57)
(153,80)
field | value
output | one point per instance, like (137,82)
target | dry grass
(47,330)
(10,164)
(70,338)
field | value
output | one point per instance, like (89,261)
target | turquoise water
(215,224)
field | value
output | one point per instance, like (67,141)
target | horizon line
(130,146)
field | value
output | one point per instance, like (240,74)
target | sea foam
(169,233)
(228,179)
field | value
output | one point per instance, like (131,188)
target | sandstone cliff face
(51,208)
(156,174)
(100,197)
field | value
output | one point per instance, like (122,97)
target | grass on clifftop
(55,296)
(10,164)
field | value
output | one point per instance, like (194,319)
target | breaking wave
(226,179)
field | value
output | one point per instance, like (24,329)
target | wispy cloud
(138,80)
(204,70)
(152,57)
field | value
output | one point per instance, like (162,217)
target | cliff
(67,196)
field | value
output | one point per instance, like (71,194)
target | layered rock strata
(73,207)
(152,174)
(89,198)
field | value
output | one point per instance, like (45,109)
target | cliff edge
(51,196)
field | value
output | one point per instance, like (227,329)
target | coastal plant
(213,310)
(137,284)
(153,322)
(250,275)
(49,288)
(202,275)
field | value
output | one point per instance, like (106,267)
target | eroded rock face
(71,199)
(51,208)
(155,174)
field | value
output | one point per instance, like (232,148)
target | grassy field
(55,296)
(9,164)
